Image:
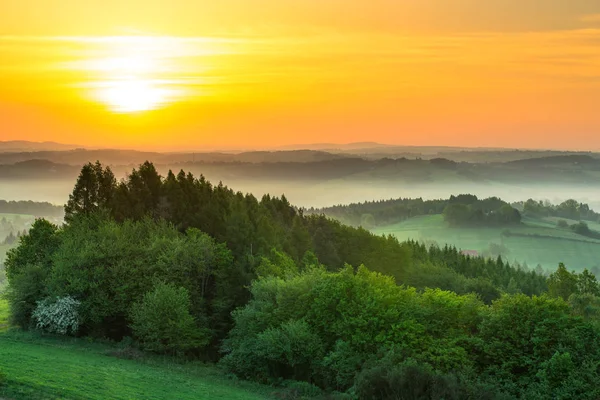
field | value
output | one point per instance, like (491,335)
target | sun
(131,94)
(127,78)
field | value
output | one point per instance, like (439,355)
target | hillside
(178,266)
(42,368)
(542,233)
(532,243)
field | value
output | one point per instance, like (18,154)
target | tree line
(187,267)
(28,207)
(461,210)
(570,209)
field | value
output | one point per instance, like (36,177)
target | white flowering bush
(60,315)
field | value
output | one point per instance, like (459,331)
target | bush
(410,380)
(405,381)
(562,223)
(162,322)
(292,390)
(25,290)
(2,378)
(290,351)
(60,315)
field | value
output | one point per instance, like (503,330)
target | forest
(31,208)
(178,266)
(460,210)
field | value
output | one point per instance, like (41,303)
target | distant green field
(37,368)
(556,245)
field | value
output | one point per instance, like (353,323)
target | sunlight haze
(265,73)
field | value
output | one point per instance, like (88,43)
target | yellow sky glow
(199,74)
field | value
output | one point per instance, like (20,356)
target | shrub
(162,322)
(60,315)
(25,290)
(290,351)
(293,390)
(411,380)
(562,223)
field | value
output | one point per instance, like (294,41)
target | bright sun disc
(132,95)
(128,79)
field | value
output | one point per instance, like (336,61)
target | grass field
(37,368)
(556,245)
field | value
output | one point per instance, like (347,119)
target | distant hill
(38,169)
(24,146)
(570,159)
(132,157)
(333,146)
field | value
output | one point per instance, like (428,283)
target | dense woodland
(461,210)
(31,208)
(188,268)
(570,209)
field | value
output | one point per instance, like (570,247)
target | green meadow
(44,367)
(535,241)
(34,368)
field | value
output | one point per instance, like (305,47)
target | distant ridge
(332,146)
(13,146)
(559,159)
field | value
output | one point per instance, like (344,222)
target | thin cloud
(594,18)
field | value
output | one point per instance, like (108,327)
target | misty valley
(299,199)
(301,273)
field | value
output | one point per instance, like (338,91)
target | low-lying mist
(315,193)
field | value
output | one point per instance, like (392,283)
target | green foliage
(562,283)
(110,266)
(345,317)
(4,314)
(162,322)
(460,215)
(26,289)
(93,191)
(59,315)
(277,264)
(560,378)
(585,305)
(461,210)
(570,209)
(581,228)
(362,331)
(411,380)
(35,248)
(587,283)
(31,208)
(167,260)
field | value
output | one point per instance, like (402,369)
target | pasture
(533,242)
(35,367)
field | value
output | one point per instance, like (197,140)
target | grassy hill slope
(534,242)
(46,368)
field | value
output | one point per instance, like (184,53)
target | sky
(195,74)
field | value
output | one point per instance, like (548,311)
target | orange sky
(254,73)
